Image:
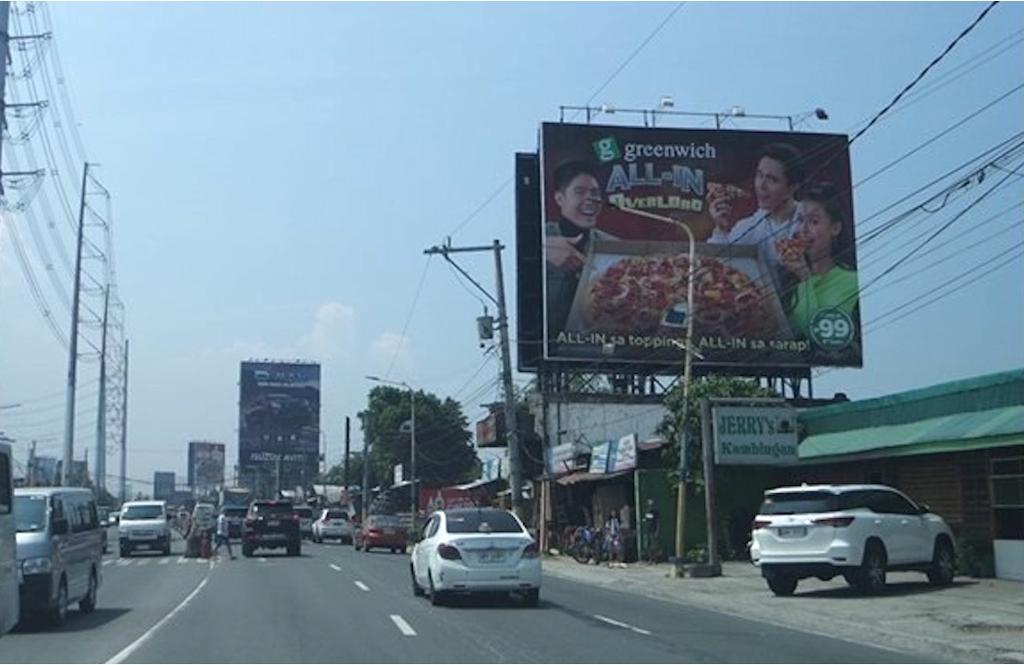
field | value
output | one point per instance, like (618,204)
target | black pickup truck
(271,524)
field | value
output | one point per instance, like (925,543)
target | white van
(60,550)
(144,525)
(9,605)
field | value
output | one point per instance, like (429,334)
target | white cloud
(393,352)
(334,332)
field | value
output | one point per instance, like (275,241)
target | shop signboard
(755,435)
(623,455)
(599,456)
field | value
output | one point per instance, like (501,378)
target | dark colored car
(382,532)
(271,524)
(236,517)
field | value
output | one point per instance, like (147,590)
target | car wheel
(437,598)
(394,550)
(366,548)
(943,568)
(246,551)
(59,613)
(417,590)
(871,576)
(531,597)
(405,550)
(88,603)
(293,550)
(782,585)
(125,552)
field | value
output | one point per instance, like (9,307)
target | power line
(408,317)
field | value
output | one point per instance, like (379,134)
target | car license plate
(274,523)
(389,532)
(792,531)
(491,556)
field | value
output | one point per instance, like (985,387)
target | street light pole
(414,504)
(687,373)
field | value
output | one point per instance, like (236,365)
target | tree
(672,426)
(336,474)
(444,454)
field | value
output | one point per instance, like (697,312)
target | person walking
(223,534)
(652,530)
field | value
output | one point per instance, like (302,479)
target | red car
(382,532)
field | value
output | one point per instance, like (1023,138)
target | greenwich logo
(607,149)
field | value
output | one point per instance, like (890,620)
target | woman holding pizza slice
(827,280)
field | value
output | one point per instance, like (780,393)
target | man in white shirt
(223,534)
(779,174)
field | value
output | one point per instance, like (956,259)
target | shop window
(1008,498)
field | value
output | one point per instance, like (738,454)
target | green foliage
(975,557)
(444,453)
(673,426)
(336,474)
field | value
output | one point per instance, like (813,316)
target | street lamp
(687,366)
(412,438)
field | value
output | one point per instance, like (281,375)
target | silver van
(9,610)
(60,550)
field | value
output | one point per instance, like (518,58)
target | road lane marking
(131,648)
(403,625)
(143,562)
(362,586)
(263,559)
(337,568)
(164,561)
(107,562)
(124,562)
(622,625)
(182,559)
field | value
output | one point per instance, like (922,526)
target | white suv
(857,531)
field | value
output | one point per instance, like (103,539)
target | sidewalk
(975,620)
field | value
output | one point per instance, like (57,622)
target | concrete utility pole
(348,441)
(511,420)
(69,414)
(124,427)
(366,471)
(101,418)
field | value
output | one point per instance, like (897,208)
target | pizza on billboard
(774,277)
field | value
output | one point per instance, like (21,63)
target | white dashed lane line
(164,561)
(263,559)
(620,624)
(107,562)
(362,586)
(403,625)
(334,567)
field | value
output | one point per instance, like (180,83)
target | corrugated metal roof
(955,432)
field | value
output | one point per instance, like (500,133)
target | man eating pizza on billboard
(579,197)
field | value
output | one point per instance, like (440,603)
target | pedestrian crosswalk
(166,560)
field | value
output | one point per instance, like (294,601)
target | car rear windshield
(337,515)
(30,513)
(384,521)
(482,521)
(795,503)
(304,512)
(143,513)
(272,508)
(235,512)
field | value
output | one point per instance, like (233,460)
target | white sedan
(332,524)
(468,550)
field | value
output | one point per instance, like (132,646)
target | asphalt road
(334,604)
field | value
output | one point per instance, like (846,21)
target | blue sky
(277,170)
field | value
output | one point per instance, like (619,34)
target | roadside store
(957,446)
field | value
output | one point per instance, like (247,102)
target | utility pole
(30,480)
(414,500)
(101,419)
(511,420)
(124,426)
(347,443)
(69,415)
(5,10)
(366,471)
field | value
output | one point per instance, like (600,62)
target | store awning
(587,477)
(957,432)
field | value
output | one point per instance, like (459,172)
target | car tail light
(449,552)
(249,521)
(760,524)
(838,522)
(531,551)
(373,532)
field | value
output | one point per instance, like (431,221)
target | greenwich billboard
(775,276)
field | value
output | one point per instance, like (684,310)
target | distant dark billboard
(775,280)
(279,424)
(205,465)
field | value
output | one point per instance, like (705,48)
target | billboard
(205,465)
(775,280)
(278,425)
(163,485)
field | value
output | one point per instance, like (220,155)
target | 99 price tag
(831,330)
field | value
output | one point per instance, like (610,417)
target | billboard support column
(347,443)
(710,503)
